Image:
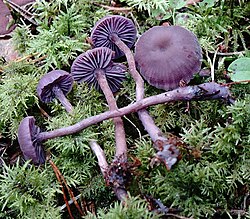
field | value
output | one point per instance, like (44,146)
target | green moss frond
(27,191)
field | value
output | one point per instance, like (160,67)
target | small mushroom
(89,65)
(56,84)
(108,29)
(167,56)
(97,68)
(30,146)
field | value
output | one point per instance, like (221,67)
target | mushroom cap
(85,65)
(54,78)
(31,148)
(113,24)
(167,55)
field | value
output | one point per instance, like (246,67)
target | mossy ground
(212,178)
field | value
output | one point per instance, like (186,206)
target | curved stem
(61,97)
(131,64)
(144,116)
(154,132)
(204,91)
(102,162)
(120,139)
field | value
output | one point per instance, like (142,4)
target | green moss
(212,176)
(28,191)
(17,95)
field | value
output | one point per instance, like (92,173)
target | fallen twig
(178,216)
(58,173)
(26,14)
(117,9)
(236,82)
(63,190)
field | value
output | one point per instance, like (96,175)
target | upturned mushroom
(56,84)
(167,56)
(96,68)
(31,148)
(111,29)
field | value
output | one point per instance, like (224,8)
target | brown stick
(66,185)
(26,14)
(237,82)
(63,191)
(117,9)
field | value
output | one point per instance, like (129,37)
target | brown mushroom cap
(113,24)
(54,78)
(30,146)
(85,65)
(167,55)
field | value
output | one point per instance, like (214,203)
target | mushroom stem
(120,139)
(63,100)
(106,170)
(121,194)
(204,91)
(154,132)
(102,162)
(149,125)
(131,64)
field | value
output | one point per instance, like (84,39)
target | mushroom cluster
(173,56)
(164,56)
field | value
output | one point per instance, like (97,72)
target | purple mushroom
(109,29)
(56,84)
(97,69)
(167,56)
(30,146)
(88,64)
